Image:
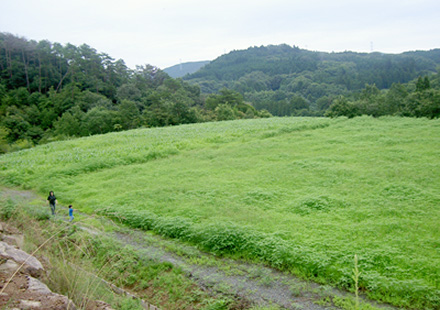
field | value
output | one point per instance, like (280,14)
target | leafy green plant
(130,303)
(218,304)
(8,209)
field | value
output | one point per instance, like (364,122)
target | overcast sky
(165,32)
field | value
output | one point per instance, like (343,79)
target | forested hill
(271,76)
(52,91)
(183,69)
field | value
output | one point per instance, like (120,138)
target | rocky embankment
(20,278)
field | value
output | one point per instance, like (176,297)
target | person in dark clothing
(52,202)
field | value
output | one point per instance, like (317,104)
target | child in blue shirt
(71,213)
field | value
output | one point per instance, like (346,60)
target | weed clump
(8,209)
(310,205)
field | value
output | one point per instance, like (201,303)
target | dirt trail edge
(255,283)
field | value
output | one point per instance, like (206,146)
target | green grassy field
(302,194)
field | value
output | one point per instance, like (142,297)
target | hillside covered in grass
(300,194)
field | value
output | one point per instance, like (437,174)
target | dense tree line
(418,98)
(49,91)
(288,80)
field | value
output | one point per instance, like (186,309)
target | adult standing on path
(52,201)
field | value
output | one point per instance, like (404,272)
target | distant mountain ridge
(183,69)
(283,78)
(280,63)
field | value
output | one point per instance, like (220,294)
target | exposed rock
(10,230)
(16,240)
(26,292)
(31,266)
(37,286)
(21,290)
(29,304)
(98,305)
(59,302)
(9,266)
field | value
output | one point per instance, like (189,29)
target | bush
(222,238)
(8,209)
(20,145)
(133,218)
(309,205)
(174,227)
(39,214)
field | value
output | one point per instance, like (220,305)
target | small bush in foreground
(7,209)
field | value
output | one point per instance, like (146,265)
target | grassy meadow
(301,194)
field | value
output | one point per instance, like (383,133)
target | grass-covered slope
(301,194)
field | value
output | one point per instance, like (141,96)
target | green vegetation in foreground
(300,194)
(77,262)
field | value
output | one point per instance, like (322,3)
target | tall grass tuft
(356,274)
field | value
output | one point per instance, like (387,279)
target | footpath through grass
(298,193)
(80,263)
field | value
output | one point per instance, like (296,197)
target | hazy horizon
(170,32)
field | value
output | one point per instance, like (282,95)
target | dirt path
(256,283)
(253,284)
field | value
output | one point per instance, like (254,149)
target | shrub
(8,209)
(133,218)
(172,227)
(38,213)
(310,205)
(222,238)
